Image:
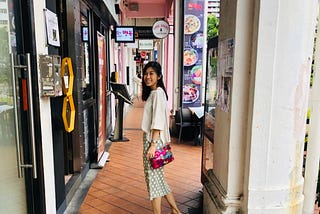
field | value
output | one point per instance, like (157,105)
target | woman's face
(151,78)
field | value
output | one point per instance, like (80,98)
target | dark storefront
(84,34)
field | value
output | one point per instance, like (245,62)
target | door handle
(16,121)
(33,141)
(27,68)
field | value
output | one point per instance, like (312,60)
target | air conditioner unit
(134,7)
(117,8)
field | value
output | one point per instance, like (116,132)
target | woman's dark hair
(146,89)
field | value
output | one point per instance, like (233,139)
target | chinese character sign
(125,34)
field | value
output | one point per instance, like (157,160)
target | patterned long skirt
(156,184)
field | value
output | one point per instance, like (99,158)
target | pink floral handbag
(162,156)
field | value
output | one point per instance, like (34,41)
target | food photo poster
(192,53)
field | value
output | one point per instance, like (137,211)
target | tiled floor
(119,187)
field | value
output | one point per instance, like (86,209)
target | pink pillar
(169,47)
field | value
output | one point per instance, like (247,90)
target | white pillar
(280,66)
(45,115)
(313,152)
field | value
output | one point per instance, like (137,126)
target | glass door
(15,115)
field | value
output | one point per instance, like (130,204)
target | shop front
(86,40)
(22,178)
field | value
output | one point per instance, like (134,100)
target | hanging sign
(161,29)
(145,44)
(144,32)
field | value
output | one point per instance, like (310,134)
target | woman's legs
(169,197)
(156,205)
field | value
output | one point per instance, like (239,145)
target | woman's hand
(151,151)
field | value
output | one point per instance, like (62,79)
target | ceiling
(146,8)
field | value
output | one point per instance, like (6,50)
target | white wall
(110,5)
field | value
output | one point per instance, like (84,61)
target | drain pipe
(313,152)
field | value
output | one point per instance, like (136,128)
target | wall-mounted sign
(52,28)
(145,44)
(161,29)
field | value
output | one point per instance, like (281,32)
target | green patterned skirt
(156,184)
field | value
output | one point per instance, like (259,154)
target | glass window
(211,90)
(210,105)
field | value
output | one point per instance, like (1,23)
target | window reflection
(211,89)
(85,71)
(210,104)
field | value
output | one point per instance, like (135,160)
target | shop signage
(145,44)
(161,29)
(192,53)
(144,32)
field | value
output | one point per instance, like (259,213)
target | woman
(155,126)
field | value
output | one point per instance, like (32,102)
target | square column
(281,66)
(259,137)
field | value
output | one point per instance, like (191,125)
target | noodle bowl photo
(190,57)
(191,24)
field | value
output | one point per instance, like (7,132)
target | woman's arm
(155,135)
(152,148)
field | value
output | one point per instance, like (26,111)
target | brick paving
(119,187)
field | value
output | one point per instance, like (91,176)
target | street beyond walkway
(119,187)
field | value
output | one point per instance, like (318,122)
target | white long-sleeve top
(155,115)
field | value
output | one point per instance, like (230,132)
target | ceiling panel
(146,8)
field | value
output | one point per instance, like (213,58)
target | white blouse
(155,115)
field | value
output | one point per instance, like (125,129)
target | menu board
(192,53)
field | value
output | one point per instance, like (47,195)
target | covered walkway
(120,187)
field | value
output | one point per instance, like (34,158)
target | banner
(102,95)
(192,53)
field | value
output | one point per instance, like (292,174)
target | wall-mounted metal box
(50,75)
